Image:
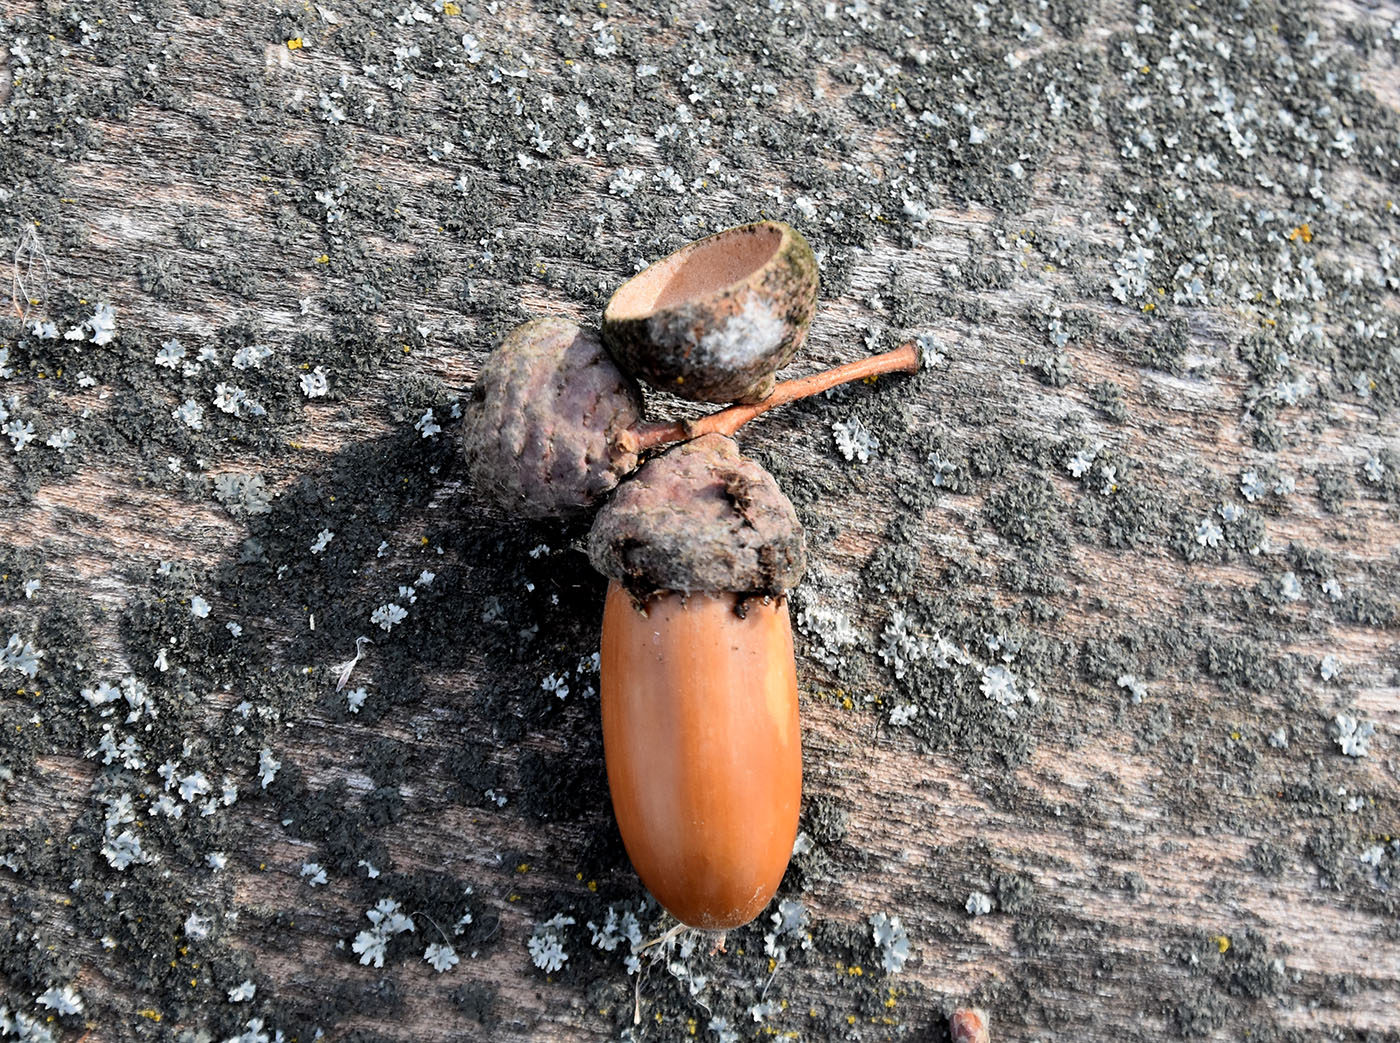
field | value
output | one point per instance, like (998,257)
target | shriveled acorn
(547,426)
(698,681)
(715,320)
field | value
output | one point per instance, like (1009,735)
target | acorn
(698,680)
(715,320)
(547,425)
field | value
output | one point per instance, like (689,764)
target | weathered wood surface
(1201,861)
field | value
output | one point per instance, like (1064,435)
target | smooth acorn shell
(703,749)
(714,321)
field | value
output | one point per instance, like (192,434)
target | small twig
(345,669)
(904,359)
(665,937)
(28,252)
(435,925)
(776,968)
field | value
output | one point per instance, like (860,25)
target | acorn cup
(698,682)
(715,320)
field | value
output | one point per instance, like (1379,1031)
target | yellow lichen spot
(691,1025)
(1235,736)
(194,982)
(323,259)
(850,1019)
(772,965)
(523,867)
(1222,943)
(593,885)
(1303,232)
(423,541)
(407,350)
(855,972)
(450,8)
(513,898)
(1145,69)
(1150,306)
(295,44)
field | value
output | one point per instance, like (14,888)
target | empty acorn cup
(715,320)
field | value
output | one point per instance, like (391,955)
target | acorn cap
(716,319)
(547,427)
(701,517)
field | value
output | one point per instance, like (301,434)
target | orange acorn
(698,683)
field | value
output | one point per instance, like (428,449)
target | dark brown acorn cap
(716,319)
(700,517)
(548,426)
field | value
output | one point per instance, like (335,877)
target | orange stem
(903,359)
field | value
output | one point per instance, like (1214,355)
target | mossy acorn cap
(546,423)
(716,319)
(702,517)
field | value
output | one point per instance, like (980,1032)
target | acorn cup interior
(715,320)
(697,270)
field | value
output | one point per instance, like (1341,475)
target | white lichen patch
(387,920)
(790,930)
(829,630)
(853,440)
(1137,688)
(753,333)
(1353,735)
(441,958)
(621,928)
(891,941)
(546,944)
(20,655)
